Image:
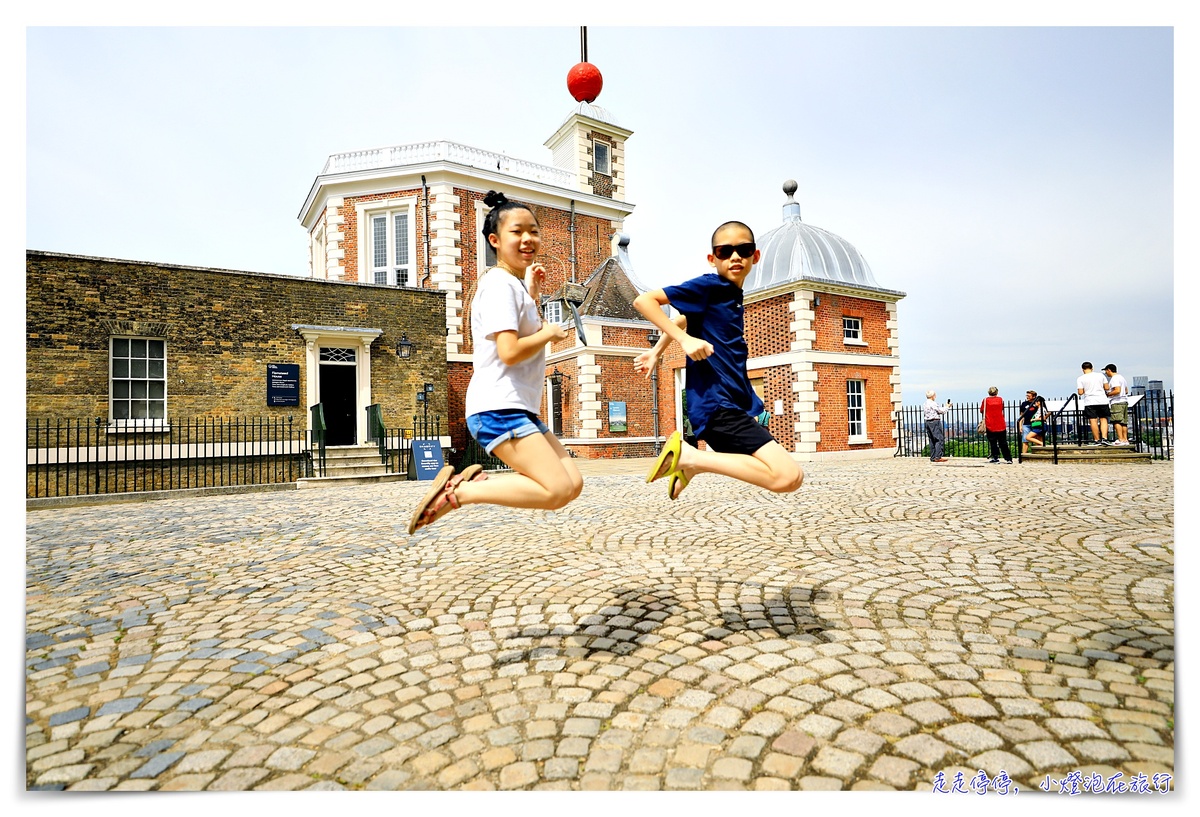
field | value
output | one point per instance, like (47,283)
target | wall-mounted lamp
(429,388)
(817,300)
(556,377)
(404,347)
(653,337)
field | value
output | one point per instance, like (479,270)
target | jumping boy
(721,403)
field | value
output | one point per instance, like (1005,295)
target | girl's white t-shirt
(502,303)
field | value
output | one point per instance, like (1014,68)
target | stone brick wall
(834,422)
(221,329)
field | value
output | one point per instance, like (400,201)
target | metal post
(654,337)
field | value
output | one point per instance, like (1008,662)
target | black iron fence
(1151,427)
(395,444)
(75,457)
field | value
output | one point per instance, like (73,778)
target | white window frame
(394,273)
(552,312)
(852,333)
(318,259)
(596,145)
(856,409)
(130,377)
(482,247)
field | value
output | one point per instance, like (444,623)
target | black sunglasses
(726,251)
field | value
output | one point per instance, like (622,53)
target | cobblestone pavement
(888,621)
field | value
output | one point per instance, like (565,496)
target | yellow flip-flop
(677,476)
(668,460)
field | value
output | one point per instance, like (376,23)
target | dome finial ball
(584,82)
(790,187)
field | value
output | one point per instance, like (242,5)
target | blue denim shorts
(491,428)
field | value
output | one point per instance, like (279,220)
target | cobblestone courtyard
(888,621)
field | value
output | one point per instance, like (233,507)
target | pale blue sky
(1016,183)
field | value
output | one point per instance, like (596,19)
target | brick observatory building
(822,335)
(412,216)
(824,343)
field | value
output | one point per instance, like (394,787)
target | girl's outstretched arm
(513,350)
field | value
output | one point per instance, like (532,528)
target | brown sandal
(440,498)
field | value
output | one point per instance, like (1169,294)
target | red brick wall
(767,326)
(777,385)
(458,377)
(350,231)
(834,422)
(634,336)
(570,397)
(608,452)
(619,383)
(828,324)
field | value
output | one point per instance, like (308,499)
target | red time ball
(584,82)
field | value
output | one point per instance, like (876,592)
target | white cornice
(382,180)
(811,356)
(822,286)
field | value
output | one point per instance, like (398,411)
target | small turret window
(600,162)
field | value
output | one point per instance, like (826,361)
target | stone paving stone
(995,761)
(895,771)
(907,648)
(1046,754)
(238,779)
(970,738)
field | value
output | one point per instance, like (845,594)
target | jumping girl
(504,395)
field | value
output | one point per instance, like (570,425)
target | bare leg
(770,467)
(545,477)
(1094,422)
(1103,428)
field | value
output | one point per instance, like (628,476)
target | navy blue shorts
(731,431)
(491,428)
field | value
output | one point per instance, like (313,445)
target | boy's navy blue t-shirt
(713,307)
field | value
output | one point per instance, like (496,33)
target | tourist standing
(933,426)
(992,409)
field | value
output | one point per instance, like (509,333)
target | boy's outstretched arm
(650,304)
(645,362)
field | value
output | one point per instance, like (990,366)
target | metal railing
(78,457)
(1151,428)
(316,437)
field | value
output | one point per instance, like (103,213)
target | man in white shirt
(933,426)
(1118,403)
(1092,388)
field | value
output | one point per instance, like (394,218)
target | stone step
(366,470)
(323,482)
(1087,453)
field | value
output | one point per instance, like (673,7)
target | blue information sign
(283,384)
(427,458)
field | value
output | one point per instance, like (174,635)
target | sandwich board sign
(426,459)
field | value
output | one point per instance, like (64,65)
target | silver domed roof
(592,112)
(795,250)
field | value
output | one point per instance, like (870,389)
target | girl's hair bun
(494,199)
